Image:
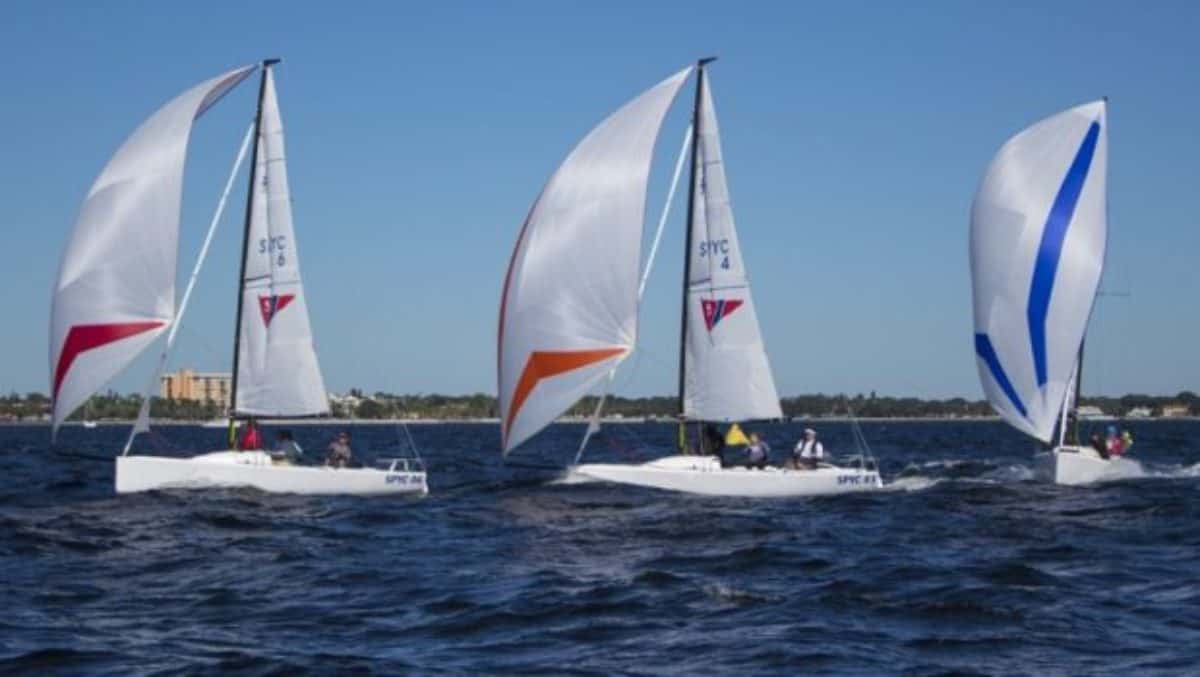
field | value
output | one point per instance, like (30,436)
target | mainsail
(568,311)
(277,370)
(1038,236)
(115,291)
(727,377)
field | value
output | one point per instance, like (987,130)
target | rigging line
(662,220)
(412,444)
(143,420)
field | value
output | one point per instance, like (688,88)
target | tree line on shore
(116,406)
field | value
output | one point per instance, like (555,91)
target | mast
(1072,435)
(237,324)
(687,250)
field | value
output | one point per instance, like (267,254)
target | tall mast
(687,249)
(1072,435)
(237,324)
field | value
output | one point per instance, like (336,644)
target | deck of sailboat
(705,475)
(257,470)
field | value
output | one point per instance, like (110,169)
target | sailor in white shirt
(809,451)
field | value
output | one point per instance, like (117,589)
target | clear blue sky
(419,133)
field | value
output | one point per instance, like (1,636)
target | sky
(419,133)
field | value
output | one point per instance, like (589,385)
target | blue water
(966,566)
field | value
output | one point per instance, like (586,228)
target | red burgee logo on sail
(269,305)
(716,310)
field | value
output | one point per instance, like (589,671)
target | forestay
(278,373)
(115,291)
(568,312)
(1038,235)
(728,377)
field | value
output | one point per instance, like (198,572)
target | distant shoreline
(572,421)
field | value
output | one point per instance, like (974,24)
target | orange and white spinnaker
(568,311)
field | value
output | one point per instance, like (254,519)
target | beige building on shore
(194,386)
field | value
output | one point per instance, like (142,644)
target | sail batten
(115,290)
(727,376)
(1038,237)
(277,369)
(568,310)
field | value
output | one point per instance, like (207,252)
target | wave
(729,594)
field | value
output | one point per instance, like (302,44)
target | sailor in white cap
(809,451)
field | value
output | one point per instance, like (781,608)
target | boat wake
(912,483)
(1169,472)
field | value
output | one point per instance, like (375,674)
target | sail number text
(858,480)
(274,246)
(716,248)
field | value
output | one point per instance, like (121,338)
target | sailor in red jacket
(251,437)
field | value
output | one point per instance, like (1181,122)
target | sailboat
(568,312)
(88,421)
(116,294)
(1039,228)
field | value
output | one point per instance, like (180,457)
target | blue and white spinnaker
(1038,234)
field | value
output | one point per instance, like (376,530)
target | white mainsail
(568,311)
(1038,235)
(727,375)
(115,291)
(278,374)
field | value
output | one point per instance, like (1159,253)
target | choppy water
(966,566)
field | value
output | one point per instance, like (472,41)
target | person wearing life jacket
(1122,444)
(251,437)
(1113,443)
(809,451)
(757,453)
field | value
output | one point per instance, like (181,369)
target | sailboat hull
(1082,465)
(255,469)
(704,475)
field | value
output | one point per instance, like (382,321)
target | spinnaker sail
(568,310)
(1038,236)
(115,291)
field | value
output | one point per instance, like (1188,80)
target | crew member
(287,452)
(251,437)
(757,452)
(809,451)
(338,455)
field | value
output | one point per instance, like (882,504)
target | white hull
(255,469)
(704,475)
(1082,465)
